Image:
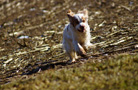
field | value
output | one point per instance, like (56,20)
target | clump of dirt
(31,32)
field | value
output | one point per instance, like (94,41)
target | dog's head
(79,20)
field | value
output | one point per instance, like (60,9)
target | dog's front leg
(79,49)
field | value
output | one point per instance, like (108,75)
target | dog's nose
(82,27)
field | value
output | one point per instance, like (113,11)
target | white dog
(76,35)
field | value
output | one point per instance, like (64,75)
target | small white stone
(136,46)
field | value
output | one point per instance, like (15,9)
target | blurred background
(31,31)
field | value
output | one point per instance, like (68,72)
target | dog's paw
(92,46)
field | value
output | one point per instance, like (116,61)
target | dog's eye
(76,21)
(83,19)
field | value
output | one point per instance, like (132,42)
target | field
(31,53)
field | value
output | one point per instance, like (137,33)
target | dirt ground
(31,32)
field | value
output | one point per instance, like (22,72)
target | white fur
(74,42)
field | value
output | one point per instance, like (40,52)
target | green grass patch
(117,73)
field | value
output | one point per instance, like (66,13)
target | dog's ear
(70,13)
(85,12)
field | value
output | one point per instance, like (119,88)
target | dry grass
(117,73)
(114,28)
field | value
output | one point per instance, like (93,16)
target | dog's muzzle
(81,29)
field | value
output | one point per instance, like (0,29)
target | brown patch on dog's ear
(70,13)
